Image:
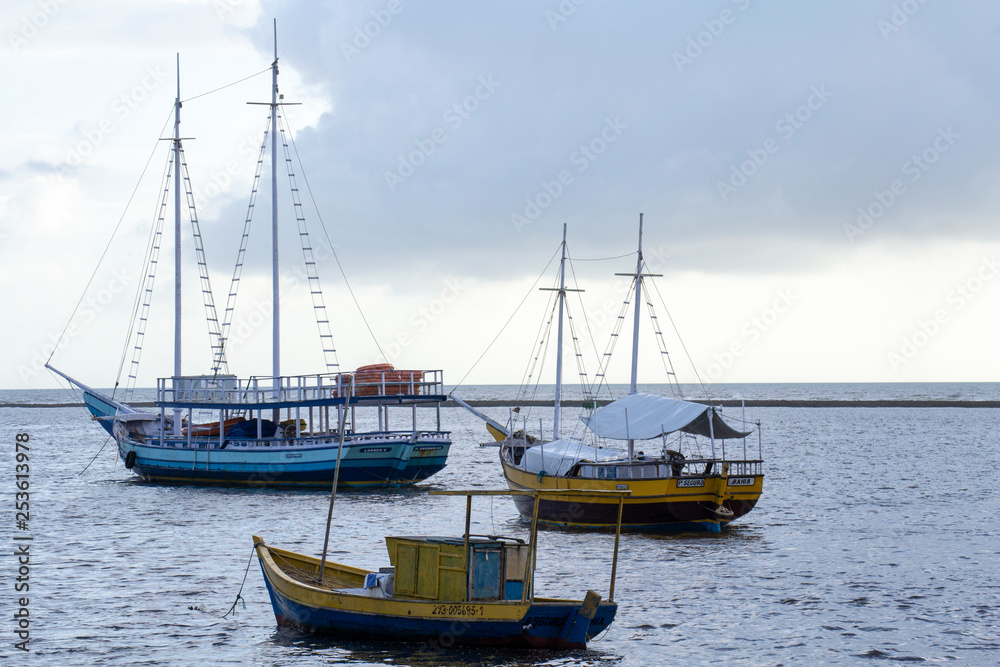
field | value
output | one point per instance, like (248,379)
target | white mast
(276,320)
(559,347)
(177,240)
(635,323)
(562,289)
(635,329)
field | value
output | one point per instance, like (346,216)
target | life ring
(384,379)
(130,459)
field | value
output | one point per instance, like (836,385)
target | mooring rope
(239,594)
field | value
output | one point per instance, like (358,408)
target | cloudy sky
(819,181)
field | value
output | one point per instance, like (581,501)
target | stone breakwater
(726,403)
(768,403)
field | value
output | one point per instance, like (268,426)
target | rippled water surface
(876,539)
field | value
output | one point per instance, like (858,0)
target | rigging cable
(601,259)
(268,69)
(540,338)
(312,274)
(681,340)
(147,276)
(529,292)
(543,345)
(600,379)
(110,240)
(227,314)
(588,394)
(333,250)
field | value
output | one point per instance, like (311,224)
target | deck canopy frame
(529,568)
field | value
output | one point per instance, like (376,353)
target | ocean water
(875,540)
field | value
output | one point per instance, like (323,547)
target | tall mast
(562,289)
(557,418)
(177,239)
(635,328)
(635,323)
(276,320)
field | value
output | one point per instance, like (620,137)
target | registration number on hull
(467,610)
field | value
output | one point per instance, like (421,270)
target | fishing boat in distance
(468,590)
(218,428)
(683,478)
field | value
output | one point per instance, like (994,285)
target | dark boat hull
(656,505)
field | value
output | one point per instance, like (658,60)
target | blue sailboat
(286,430)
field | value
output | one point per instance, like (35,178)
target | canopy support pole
(711,429)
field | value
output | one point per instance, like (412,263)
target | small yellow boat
(468,590)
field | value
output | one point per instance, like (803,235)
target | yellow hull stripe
(662,489)
(323,598)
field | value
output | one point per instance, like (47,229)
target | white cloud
(94,85)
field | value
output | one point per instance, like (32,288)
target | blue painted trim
(540,626)
(100,408)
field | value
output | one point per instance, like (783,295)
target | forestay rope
(315,291)
(333,250)
(668,365)
(227,315)
(600,378)
(211,316)
(507,323)
(143,297)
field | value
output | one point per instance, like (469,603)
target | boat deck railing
(658,468)
(322,387)
(373,438)
(740,468)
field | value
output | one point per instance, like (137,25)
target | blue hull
(100,408)
(388,460)
(540,627)
(354,476)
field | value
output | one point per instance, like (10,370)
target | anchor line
(239,593)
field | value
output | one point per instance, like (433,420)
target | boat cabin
(434,568)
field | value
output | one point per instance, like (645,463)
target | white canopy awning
(644,416)
(559,456)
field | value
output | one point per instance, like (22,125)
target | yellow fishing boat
(702,488)
(468,590)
